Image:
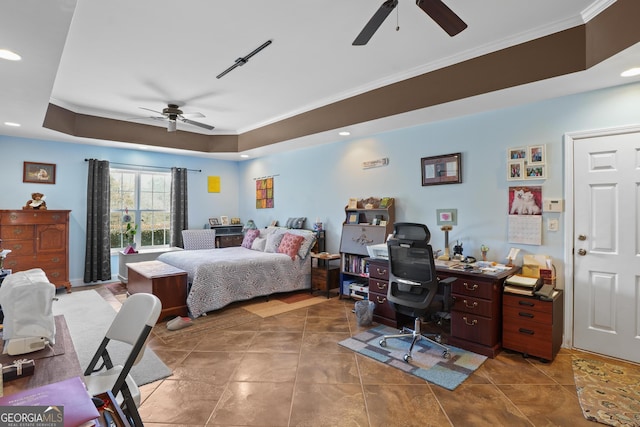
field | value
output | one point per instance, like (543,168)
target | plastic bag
(364,312)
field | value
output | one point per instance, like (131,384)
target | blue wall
(317,182)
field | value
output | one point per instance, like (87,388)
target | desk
(56,363)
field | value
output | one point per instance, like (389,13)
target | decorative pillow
(249,237)
(259,244)
(295,223)
(290,244)
(307,243)
(273,241)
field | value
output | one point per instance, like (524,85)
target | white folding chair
(132,325)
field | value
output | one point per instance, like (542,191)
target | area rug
(283,304)
(608,391)
(427,361)
(88,317)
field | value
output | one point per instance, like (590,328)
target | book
(71,394)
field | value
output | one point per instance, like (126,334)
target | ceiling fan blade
(153,111)
(445,17)
(194,115)
(191,122)
(374,23)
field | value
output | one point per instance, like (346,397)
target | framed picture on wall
(536,155)
(445,169)
(535,172)
(518,153)
(515,170)
(40,173)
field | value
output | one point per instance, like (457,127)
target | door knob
(582,252)
(582,237)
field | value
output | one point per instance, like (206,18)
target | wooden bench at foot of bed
(165,281)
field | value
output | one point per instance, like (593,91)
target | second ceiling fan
(436,9)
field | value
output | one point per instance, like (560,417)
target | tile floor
(288,370)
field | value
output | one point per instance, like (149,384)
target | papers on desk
(69,394)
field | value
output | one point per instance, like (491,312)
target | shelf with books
(367,222)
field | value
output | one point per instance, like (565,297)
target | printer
(27,298)
(378,251)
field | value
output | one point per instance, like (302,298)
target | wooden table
(56,363)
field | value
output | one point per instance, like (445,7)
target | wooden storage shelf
(358,232)
(228,235)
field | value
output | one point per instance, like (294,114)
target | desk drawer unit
(531,326)
(378,286)
(476,315)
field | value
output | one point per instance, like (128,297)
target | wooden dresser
(37,239)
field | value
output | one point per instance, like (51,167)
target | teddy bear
(36,202)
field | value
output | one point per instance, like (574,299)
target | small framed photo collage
(527,163)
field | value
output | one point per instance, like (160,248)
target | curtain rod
(146,166)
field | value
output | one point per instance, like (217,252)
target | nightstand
(324,276)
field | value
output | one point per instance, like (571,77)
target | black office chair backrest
(412,279)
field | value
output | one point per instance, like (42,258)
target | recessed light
(244,156)
(17,125)
(9,55)
(344,133)
(631,72)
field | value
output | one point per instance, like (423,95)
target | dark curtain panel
(97,259)
(179,210)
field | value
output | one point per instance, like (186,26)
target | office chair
(412,281)
(132,326)
(199,239)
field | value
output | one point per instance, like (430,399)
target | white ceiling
(109,58)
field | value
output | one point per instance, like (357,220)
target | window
(145,197)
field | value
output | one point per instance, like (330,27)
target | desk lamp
(446,256)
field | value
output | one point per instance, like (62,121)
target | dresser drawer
(473,288)
(477,329)
(477,306)
(533,304)
(34,217)
(512,314)
(379,270)
(531,338)
(20,232)
(383,308)
(19,247)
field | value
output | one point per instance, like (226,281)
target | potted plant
(129,233)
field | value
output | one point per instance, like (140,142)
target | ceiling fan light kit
(436,9)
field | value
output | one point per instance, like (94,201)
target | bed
(218,277)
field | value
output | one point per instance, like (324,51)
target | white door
(606,242)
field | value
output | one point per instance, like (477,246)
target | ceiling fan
(172,113)
(436,9)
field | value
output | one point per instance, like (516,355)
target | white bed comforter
(219,277)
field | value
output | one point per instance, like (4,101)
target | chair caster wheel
(446,355)
(383,343)
(407,358)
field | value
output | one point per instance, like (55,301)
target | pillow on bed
(307,243)
(249,237)
(259,244)
(295,223)
(290,244)
(273,240)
